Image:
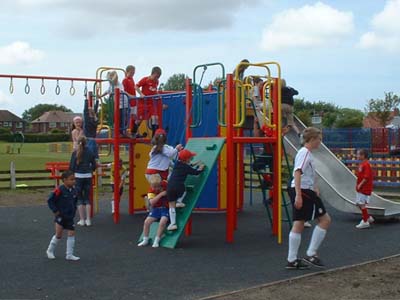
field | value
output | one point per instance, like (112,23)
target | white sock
(172,215)
(53,243)
(316,240)
(70,245)
(294,244)
(156,241)
(180,199)
(112,206)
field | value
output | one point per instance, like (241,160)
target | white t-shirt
(161,161)
(304,162)
(123,98)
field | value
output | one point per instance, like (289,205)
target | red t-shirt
(129,87)
(147,107)
(364,172)
(163,202)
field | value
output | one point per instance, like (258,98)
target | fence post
(12,176)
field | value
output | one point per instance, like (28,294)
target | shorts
(287,114)
(159,212)
(174,194)
(312,208)
(362,198)
(65,223)
(121,190)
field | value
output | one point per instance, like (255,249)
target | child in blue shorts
(62,202)
(158,211)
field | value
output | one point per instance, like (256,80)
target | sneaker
(362,225)
(143,243)
(72,257)
(155,245)
(50,254)
(371,220)
(307,224)
(88,222)
(314,260)
(172,227)
(81,223)
(297,265)
(180,205)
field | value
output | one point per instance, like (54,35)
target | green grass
(33,156)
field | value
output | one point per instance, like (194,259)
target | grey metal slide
(337,182)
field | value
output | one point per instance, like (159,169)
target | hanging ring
(58,88)
(42,88)
(27,87)
(11,87)
(72,88)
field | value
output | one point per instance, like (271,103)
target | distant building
(371,122)
(10,121)
(54,120)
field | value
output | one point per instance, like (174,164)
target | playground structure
(218,137)
(230,100)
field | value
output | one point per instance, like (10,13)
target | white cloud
(385,32)
(89,17)
(19,53)
(309,26)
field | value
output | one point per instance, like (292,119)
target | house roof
(56,116)
(370,122)
(8,116)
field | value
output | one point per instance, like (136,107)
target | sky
(342,52)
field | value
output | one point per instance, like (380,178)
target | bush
(46,138)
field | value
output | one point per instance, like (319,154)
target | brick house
(10,121)
(54,120)
(371,122)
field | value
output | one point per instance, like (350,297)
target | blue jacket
(63,200)
(87,165)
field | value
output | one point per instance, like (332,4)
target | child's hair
(81,146)
(112,76)
(283,83)
(363,152)
(156,70)
(159,140)
(311,133)
(129,68)
(155,179)
(256,80)
(66,174)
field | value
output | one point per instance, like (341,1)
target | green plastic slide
(207,150)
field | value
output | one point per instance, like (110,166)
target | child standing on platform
(62,202)
(304,194)
(161,155)
(147,108)
(364,188)
(83,163)
(176,182)
(158,212)
(131,89)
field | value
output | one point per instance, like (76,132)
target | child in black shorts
(62,202)
(176,183)
(306,204)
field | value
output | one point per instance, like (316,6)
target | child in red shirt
(130,88)
(147,86)
(364,188)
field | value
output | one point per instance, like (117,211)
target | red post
(117,179)
(231,161)
(188,109)
(131,209)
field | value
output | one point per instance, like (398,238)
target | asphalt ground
(113,267)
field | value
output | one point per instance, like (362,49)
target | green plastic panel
(207,150)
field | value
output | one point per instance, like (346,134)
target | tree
(349,118)
(38,110)
(175,83)
(380,109)
(306,109)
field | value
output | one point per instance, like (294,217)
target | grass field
(33,156)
